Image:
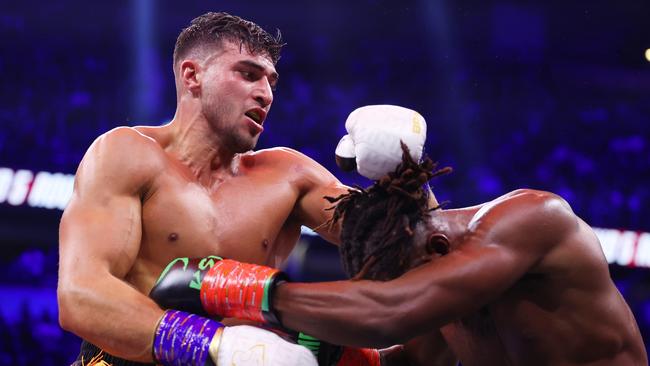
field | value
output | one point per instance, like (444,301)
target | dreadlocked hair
(379,222)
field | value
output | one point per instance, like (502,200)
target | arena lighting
(647,54)
(53,191)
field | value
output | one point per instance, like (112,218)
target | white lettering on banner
(40,190)
(642,258)
(45,190)
(627,243)
(20,187)
(51,190)
(625,248)
(6,177)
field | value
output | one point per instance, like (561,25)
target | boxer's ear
(437,244)
(189,75)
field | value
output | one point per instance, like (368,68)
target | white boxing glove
(373,139)
(245,345)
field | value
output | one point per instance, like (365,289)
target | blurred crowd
(501,124)
(500,130)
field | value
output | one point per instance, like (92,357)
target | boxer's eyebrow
(273,76)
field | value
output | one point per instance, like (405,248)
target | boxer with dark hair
(210,30)
(146,195)
(520,280)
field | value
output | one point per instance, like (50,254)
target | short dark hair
(214,28)
(379,222)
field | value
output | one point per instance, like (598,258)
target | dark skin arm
(504,242)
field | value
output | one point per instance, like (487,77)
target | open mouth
(256,115)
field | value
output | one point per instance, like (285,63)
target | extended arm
(504,242)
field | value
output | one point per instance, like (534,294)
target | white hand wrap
(245,345)
(374,134)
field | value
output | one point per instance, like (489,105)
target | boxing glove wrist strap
(184,339)
(359,357)
(241,290)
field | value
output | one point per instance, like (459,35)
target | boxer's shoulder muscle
(283,156)
(123,157)
(530,222)
(311,182)
(298,167)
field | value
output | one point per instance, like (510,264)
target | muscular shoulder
(123,157)
(283,155)
(132,138)
(536,217)
(298,166)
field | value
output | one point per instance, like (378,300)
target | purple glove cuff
(183,339)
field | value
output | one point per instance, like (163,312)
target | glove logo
(205,263)
(417,126)
(252,356)
(171,264)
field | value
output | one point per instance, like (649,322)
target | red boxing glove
(233,289)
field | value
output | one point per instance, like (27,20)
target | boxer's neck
(452,223)
(201,150)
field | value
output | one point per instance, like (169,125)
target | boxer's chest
(247,217)
(512,330)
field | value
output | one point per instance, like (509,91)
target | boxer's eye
(249,75)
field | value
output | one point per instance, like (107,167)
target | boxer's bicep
(98,239)
(96,251)
(312,208)
(101,227)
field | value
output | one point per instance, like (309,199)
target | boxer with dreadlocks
(380,221)
(520,280)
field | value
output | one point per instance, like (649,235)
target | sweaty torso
(246,216)
(565,311)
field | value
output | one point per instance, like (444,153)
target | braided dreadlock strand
(378,222)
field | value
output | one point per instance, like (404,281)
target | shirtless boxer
(146,195)
(520,280)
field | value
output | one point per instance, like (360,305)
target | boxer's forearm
(110,314)
(352,314)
